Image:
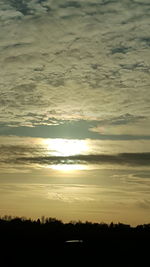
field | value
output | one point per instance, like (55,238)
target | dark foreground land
(35,243)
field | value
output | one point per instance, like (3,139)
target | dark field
(35,243)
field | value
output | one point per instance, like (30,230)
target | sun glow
(68,167)
(65,147)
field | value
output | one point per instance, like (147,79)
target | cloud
(23,154)
(140,181)
(101,199)
(73,60)
(56,192)
(26,7)
(52,128)
(131,159)
(143,204)
(136,185)
(127,125)
(69,194)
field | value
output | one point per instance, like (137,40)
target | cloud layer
(70,60)
(32,153)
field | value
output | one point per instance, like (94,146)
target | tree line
(37,241)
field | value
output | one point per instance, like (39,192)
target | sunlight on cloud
(21,154)
(65,147)
(68,167)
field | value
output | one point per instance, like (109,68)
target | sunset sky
(74,110)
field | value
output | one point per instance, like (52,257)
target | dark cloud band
(133,159)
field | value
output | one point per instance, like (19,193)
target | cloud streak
(133,159)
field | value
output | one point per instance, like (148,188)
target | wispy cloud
(126,126)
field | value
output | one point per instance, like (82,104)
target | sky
(74,110)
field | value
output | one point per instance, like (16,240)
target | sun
(65,147)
